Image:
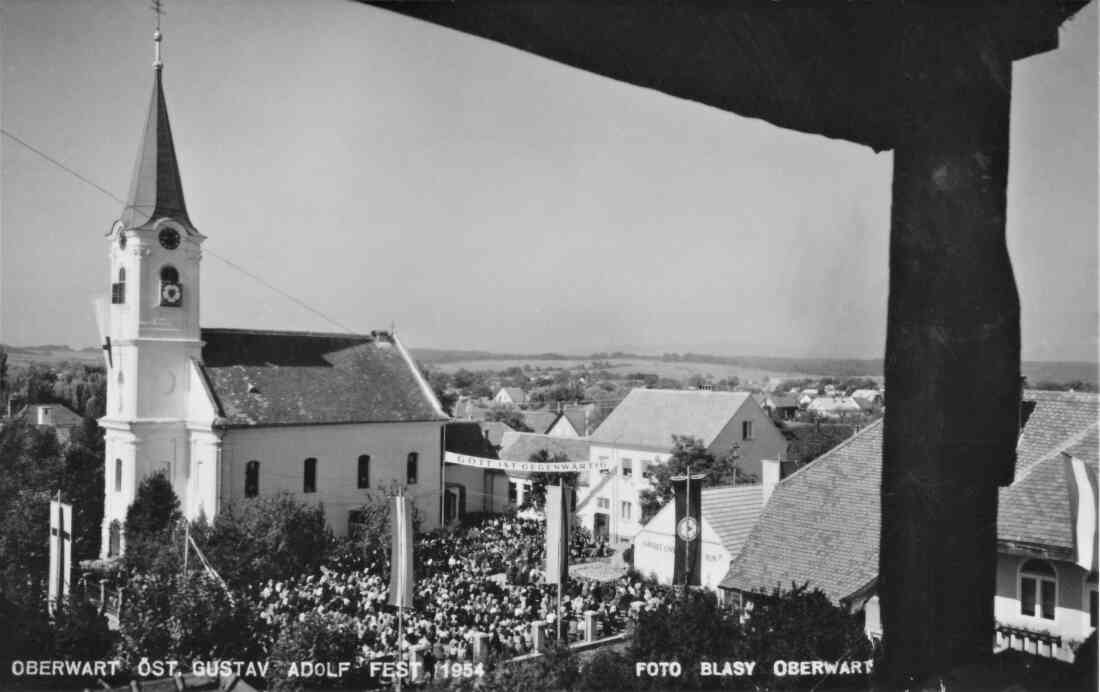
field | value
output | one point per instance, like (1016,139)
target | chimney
(770,471)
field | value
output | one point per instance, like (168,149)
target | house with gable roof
(822,526)
(638,434)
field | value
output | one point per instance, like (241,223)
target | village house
(639,434)
(841,407)
(1046,582)
(57,417)
(228,414)
(510,396)
(492,487)
(726,517)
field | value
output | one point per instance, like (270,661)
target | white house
(639,433)
(228,413)
(1046,594)
(834,407)
(727,515)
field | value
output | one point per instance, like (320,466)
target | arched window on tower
(118,475)
(114,539)
(1038,589)
(171,291)
(309,476)
(363,474)
(118,289)
(252,479)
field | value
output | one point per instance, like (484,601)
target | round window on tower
(169,238)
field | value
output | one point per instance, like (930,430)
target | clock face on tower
(169,238)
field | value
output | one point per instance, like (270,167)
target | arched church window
(252,479)
(118,475)
(363,471)
(118,289)
(412,468)
(309,476)
(171,291)
(114,539)
(1038,589)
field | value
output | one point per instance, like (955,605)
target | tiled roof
(576,417)
(732,511)
(866,394)
(495,431)
(539,421)
(782,401)
(468,437)
(1035,509)
(63,416)
(516,394)
(648,418)
(821,524)
(834,403)
(302,378)
(517,446)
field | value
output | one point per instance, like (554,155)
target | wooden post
(952,362)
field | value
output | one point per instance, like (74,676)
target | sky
(388,172)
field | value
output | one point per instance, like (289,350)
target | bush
(315,636)
(80,632)
(269,537)
(185,617)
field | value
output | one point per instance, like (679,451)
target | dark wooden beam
(952,362)
(834,69)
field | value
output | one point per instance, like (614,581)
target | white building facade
(638,434)
(231,414)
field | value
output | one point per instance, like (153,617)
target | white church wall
(282,452)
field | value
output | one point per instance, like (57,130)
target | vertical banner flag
(557,533)
(687,560)
(1082,502)
(61,545)
(401,554)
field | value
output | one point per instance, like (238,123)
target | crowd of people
(485,578)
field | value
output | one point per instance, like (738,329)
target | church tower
(152,324)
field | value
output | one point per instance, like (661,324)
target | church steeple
(155,190)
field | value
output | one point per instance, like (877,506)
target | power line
(62,166)
(232,264)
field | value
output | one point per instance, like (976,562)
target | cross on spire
(158,10)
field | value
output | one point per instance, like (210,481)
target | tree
(149,523)
(374,527)
(186,617)
(316,636)
(540,479)
(509,415)
(688,451)
(3,375)
(80,632)
(267,537)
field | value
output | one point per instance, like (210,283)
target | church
(236,413)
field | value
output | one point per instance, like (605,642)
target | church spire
(155,189)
